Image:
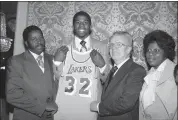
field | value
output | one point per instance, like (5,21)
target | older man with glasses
(119,100)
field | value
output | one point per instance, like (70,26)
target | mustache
(40,45)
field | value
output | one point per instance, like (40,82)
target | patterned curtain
(138,18)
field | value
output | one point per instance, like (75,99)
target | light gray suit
(28,88)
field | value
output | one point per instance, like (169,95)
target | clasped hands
(96,57)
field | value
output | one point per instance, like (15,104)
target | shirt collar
(78,40)
(36,55)
(161,66)
(119,65)
(155,74)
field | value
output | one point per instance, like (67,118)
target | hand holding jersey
(51,109)
(97,58)
(60,54)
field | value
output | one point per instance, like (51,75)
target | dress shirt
(119,65)
(36,56)
(79,46)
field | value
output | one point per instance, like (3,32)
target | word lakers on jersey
(78,87)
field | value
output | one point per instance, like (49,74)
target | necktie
(40,61)
(113,70)
(84,48)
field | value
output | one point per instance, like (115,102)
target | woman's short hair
(164,41)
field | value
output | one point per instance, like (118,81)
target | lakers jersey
(78,87)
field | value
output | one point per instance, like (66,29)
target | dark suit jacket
(119,100)
(28,88)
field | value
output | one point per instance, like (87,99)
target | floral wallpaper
(138,18)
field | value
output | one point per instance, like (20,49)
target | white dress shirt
(36,56)
(79,46)
(119,65)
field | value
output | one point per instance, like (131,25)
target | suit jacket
(120,98)
(95,44)
(29,90)
(165,105)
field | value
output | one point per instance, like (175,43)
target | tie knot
(39,57)
(114,68)
(83,43)
(84,48)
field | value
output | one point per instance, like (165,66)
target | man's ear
(26,44)
(129,50)
(90,29)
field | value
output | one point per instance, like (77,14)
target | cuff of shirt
(98,107)
(102,69)
(57,63)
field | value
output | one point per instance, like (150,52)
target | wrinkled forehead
(122,38)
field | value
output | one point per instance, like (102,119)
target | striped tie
(40,61)
(84,48)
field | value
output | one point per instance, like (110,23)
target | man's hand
(47,114)
(50,110)
(93,106)
(60,54)
(52,107)
(97,58)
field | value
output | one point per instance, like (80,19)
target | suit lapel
(94,44)
(118,77)
(46,63)
(29,57)
(166,73)
(30,63)
(167,76)
(73,44)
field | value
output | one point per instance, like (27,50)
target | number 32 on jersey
(71,88)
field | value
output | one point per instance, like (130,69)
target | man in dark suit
(119,100)
(31,88)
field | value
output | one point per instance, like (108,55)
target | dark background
(10,10)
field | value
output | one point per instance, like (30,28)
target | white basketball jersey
(78,87)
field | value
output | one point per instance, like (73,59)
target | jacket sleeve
(58,70)
(15,91)
(130,95)
(175,116)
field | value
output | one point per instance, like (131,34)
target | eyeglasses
(117,45)
(153,51)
